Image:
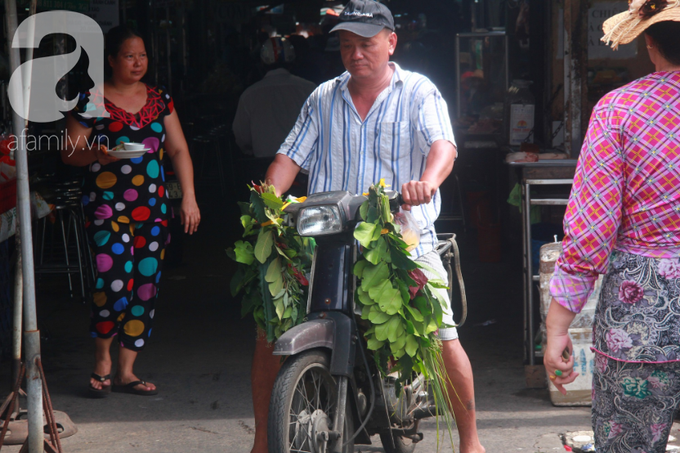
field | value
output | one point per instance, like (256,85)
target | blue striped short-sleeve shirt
(342,152)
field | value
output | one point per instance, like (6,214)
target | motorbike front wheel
(303,406)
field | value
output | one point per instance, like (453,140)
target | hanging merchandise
(522,107)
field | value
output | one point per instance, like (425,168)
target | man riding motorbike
(375,121)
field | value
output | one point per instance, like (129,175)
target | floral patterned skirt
(633,405)
(638,315)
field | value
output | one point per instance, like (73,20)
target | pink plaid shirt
(626,192)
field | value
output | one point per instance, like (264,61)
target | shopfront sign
(597,49)
(597,14)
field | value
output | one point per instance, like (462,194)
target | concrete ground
(200,357)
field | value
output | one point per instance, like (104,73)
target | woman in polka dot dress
(126,206)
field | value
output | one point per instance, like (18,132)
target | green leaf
(248,223)
(281,252)
(372,215)
(376,316)
(363,210)
(437,311)
(401,259)
(378,252)
(366,311)
(377,233)
(276,286)
(364,298)
(244,207)
(415,313)
(411,328)
(411,345)
(257,206)
(403,289)
(243,251)
(397,346)
(387,297)
(395,329)
(273,271)
(431,326)
(278,303)
(287,312)
(374,275)
(246,220)
(263,246)
(381,331)
(364,233)
(359,268)
(385,205)
(422,305)
(374,344)
(250,302)
(272,201)
(436,283)
(407,367)
(418,327)
(242,279)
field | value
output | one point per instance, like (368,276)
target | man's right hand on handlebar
(416,193)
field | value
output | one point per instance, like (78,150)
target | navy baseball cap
(365,18)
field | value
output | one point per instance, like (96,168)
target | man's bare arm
(281,173)
(437,168)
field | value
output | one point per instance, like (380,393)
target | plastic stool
(70,221)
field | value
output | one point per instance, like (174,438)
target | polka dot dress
(127,219)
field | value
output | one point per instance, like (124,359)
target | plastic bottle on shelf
(521,111)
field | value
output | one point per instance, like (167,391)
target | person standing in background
(267,110)
(127,207)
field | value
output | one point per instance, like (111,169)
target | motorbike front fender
(316,333)
(332,330)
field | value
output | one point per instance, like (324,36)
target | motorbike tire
(401,445)
(303,387)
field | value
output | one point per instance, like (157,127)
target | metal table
(542,173)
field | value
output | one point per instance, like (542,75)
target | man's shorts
(432,260)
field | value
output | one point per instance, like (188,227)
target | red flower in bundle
(421,280)
(299,276)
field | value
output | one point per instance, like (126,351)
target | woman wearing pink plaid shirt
(623,220)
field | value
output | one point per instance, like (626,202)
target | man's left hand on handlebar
(416,193)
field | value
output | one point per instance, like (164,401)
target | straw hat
(626,26)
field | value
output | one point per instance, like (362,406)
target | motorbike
(329,395)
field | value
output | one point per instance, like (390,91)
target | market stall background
(206,51)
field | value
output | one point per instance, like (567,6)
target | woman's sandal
(102,392)
(130,388)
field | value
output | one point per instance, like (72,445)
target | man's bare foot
(475,449)
(259,447)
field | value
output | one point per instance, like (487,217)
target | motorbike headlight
(319,221)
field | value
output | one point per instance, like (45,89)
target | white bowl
(125,154)
(133,146)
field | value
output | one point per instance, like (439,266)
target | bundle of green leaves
(403,309)
(272,263)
